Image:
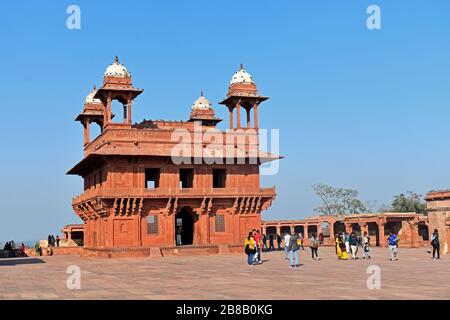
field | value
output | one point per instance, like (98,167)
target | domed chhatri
(202,111)
(201,103)
(117,69)
(241,76)
(90,97)
(243,93)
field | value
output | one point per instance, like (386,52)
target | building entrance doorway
(184,227)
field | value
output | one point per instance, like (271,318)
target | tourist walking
(49,240)
(287,237)
(341,248)
(12,249)
(353,242)
(264,239)
(36,248)
(179,233)
(271,247)
(321,238)
(279,241)
(347,241)
(57,240)
(249,248)
(393,240)
(436,244)
(302,240)
(314,245)
(257,237)
(293,251)
(6,249)
(22,249)
(366,246)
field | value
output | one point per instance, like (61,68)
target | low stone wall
(190,250)
(138,252)
(57,251)
(158,252)
(125,252)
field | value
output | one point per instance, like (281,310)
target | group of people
(10,250)
(346,245)
(272,237)
(253,244)
(350,243)
(293,243)
(52,241)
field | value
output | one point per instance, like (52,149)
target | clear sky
(358,108)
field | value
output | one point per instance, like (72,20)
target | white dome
(201,103)
(90,97)
(117,70)
(241,76)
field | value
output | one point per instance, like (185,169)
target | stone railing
(174,192)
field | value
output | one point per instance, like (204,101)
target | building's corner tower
(93,112)
(117,85)
(243,93)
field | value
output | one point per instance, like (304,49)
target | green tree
(408,202)
(338,201)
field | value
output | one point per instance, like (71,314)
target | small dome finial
(201,93)
(95,88)
(241,67)
(116,60)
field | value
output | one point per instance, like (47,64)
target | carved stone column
(381,233)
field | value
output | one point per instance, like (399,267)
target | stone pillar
(364,227)
(381,234)
(348,227)
(255,115)
(230,111)
(414,232)
(87,127)
(108,111)
(129,104)
(331,229)
(247,110)
(238,120)
(125,120)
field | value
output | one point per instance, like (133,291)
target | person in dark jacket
(279,241)
(435,244)
(293,251)
(353,241)
(271,247)
(264,239)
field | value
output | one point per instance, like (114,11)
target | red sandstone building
(137,200)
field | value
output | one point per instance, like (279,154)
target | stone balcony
(173,193)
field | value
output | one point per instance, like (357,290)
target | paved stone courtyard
(414,276)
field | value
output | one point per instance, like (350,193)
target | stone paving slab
(414,276)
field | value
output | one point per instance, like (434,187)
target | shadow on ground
(17,261)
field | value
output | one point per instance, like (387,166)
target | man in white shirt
(287,237)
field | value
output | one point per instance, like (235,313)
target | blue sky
(356,108)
